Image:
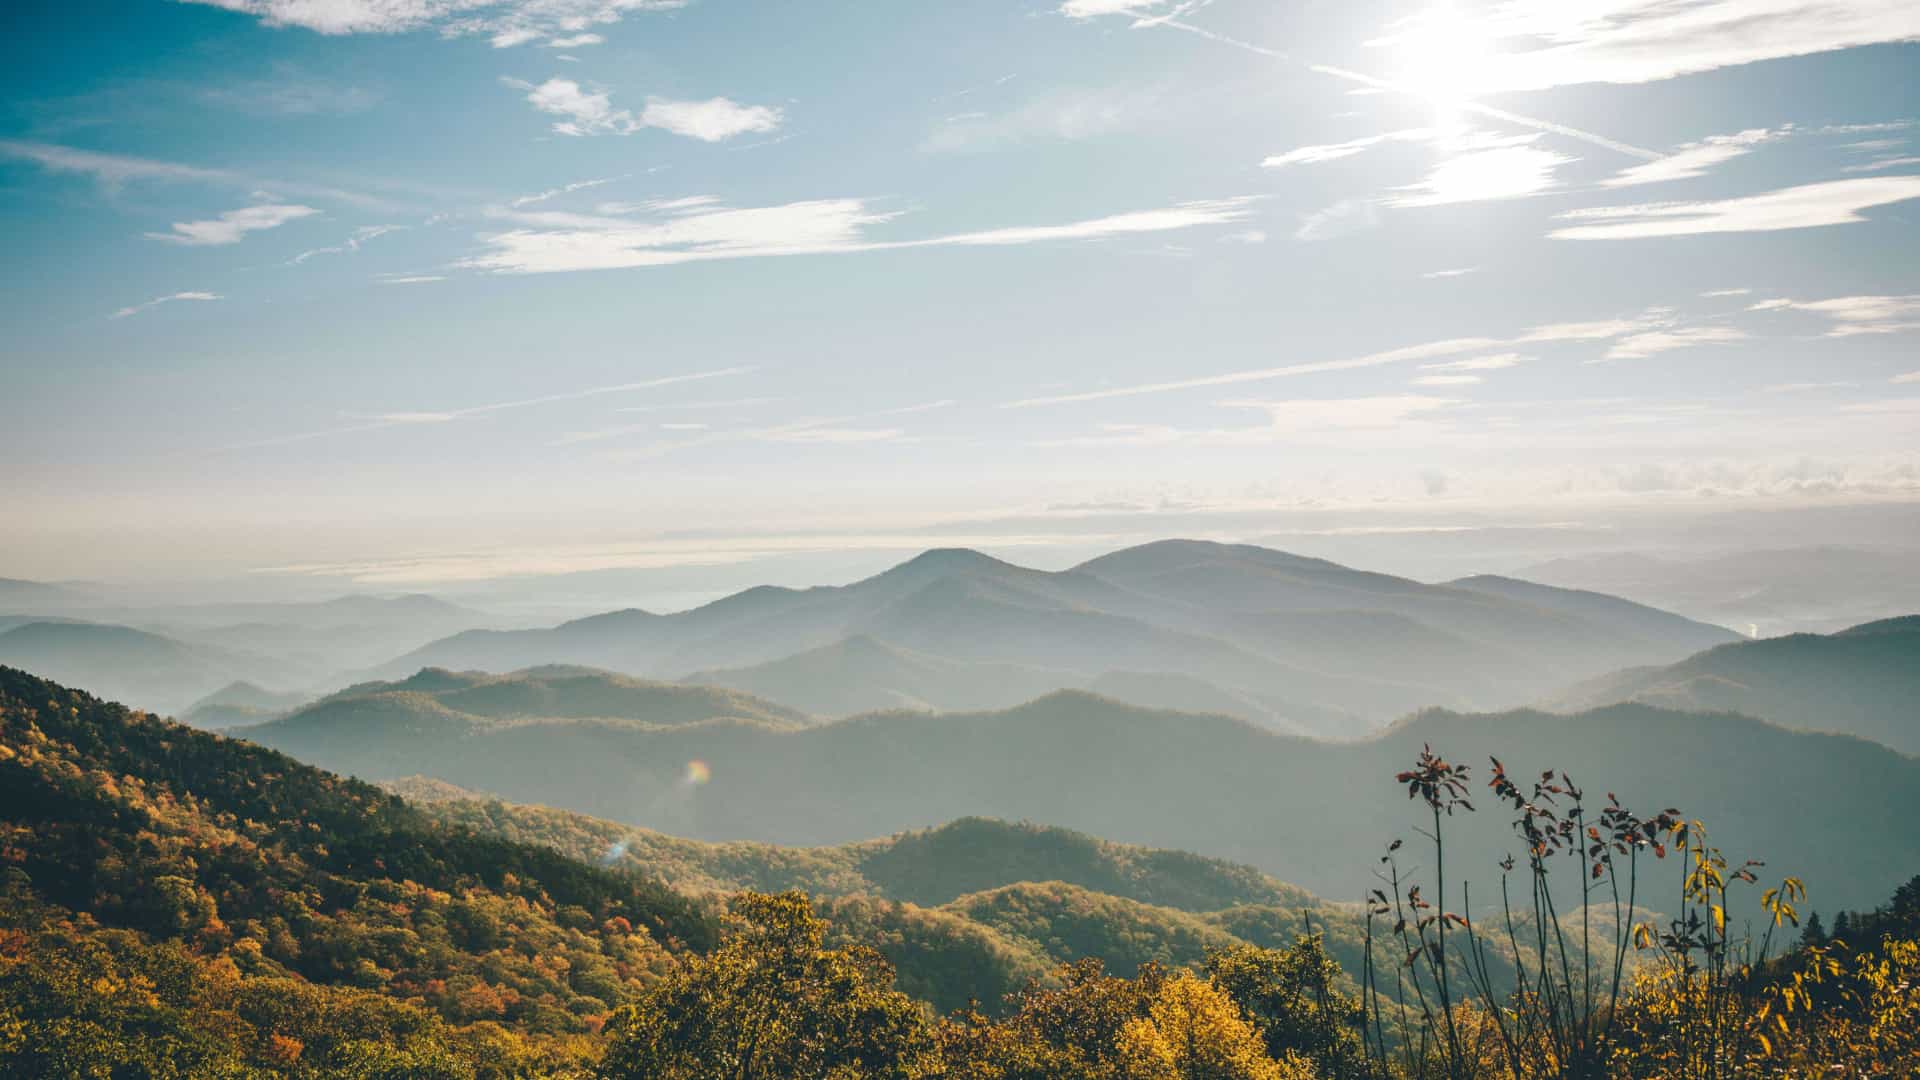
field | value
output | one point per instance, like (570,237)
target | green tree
(1290,996)
(773,1004)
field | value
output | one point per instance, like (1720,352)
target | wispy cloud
(1835,202)
(1854,315)
(351,244)
(232,226)
(401,418)
(704,230)
(854,428)
(1459,271)
(564,189)
(1314,155)
(1653,342)
(505,23)
(1448,380)
(591,112)
(1340,219)
(1711,293)
(1485,168)
(1496,362)
(1600,330)
(1692,159)
(1065,115)
(158,300)
(1805,387)
(1882,164)
(1908,377)
(112,171)
(1636,41)
(410,279)
(1286,419)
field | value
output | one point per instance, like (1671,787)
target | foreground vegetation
(175,904)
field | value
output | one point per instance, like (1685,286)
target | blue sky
(412,293)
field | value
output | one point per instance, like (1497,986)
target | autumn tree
(773,1004)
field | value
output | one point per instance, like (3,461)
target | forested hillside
(1290,806)
(257,894)
(1861,681)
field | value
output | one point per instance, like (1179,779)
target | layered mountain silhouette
(151,670)
(1298,808)
(1290,642)
(1805,589)
(1861,681)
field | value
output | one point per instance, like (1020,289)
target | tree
(772,1004)
(1193,1031)
(1290,997)
(1813,934)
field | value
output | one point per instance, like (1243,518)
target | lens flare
(698,773)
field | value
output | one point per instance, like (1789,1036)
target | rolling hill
(1295,807)
(1296,643)
(152,670)
(1861,681)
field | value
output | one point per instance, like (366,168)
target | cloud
(1485,168)
(410,279)
(712,120)
(506,22)
(1854,315)
(1835,202)
(1314,155)
(1537,44)
(1460,271)
(231,226)
(704,230)
(1692,159)
(1909,377)
(818,430)
(1804,387)
(377,421)
(112,171)
(1448,380)
(576,41)
(351,244)
(1342,218)
(1725,292)
(582,112)
(1288,419)
(564,189)
(1247,236)
(1883,163)
(1062,116)
(1640,346)
(1550,332)
(1496,362)
(158,300)
(591,112)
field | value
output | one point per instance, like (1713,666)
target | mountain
(1862,681)
(1305,810)
(190,905)
(296,913)
(863,674)
(153,670)
(1297,643)
(17,595)
(239,703)
(1767,593)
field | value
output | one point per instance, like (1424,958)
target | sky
(397,294)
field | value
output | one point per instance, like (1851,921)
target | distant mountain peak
(951,560)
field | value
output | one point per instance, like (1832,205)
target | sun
(1444,55)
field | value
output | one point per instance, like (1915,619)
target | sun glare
(1443,55)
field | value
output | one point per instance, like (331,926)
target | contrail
(1387,84)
